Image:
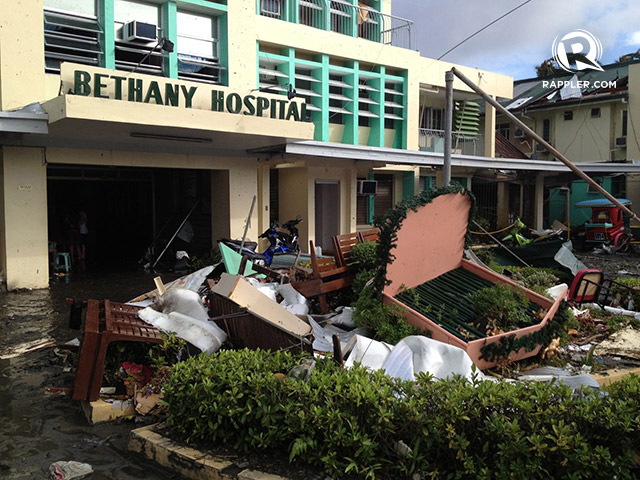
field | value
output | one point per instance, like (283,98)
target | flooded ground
(36,429)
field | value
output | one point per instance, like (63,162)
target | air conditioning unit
(519,133)
(621,142)
(139,32)
(367,187)
(271,8)
(540,148)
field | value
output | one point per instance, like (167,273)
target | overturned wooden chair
(326,276)
(106,322)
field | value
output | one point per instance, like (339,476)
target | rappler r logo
(577,50)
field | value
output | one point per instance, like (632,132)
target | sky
(517,43)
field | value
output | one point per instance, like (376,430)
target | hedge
(362,424)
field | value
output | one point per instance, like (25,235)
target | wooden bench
(326,276)
(371,235)
(106,323)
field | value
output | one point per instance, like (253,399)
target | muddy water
(37,430)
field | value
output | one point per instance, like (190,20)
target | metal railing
(461,143)
(343,17)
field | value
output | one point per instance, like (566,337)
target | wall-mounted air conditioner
(139,32)
(519,133)
(271,8)
(367,187)
(621,142)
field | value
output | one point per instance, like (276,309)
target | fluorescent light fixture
(173,138)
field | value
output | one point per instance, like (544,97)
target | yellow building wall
(24,218)
(583,139)
(294,199)
(21,54)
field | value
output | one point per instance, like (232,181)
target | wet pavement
(36,429)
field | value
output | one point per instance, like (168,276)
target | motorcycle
(279,243)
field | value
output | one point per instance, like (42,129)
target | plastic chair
(62,261)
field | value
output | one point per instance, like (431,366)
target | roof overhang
(433,159)
(22,122)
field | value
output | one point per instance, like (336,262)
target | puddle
(37,430)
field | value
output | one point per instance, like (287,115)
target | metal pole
(448,127)
(176,234)
(542,141)
(247,224)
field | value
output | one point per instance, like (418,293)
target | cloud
(634,39)
(517,43)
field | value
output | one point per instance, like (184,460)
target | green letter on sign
(81,83)
(234,103)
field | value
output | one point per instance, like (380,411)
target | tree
(547,67)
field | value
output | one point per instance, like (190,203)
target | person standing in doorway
(84,235)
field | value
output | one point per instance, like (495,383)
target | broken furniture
(430,280)
(266,324)
(370,235)
(326,276)
(590,286)
(106,322)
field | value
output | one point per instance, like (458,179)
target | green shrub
(500,306)
(352,422)
(364,254)
(386,321)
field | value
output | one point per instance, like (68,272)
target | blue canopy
(601,202)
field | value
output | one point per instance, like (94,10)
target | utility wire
(483,28)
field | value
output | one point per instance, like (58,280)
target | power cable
(483,28)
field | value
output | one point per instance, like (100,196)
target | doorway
(327,213)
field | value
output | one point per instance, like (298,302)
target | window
(546,129)
(568,115)
(432,118)
(337,100)
(341,12)
(595,113)
(71,33)
(271,8)
(137,54)
(504,129)
(393,108)
(197,47)
(592,189)
(624,123)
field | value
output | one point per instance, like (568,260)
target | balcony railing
(343,17)
(461,143)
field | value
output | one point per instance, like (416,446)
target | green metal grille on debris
(445,301)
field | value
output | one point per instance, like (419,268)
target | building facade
(134,112)
(589,118)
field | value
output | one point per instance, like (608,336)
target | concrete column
(539,201)
(490,131)
(232,192)
(439,178)
(503,204)
(352,200)
(23,218)
(22,77)
(263,200)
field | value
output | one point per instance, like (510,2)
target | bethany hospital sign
(122,86)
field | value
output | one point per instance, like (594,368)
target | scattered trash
(146,404)
(567,259)
(625,343)
(418,354)
(323,337)
(548,374)
(344,319)
(69,470)
(237,289)
(368,352)
(58,391)
(28,347)
(302,372)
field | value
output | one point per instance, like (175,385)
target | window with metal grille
(71,33)
(130,54)
(271,8)
(568,115)
(198,57)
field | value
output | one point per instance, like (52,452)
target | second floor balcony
(461,142)
(348,17)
